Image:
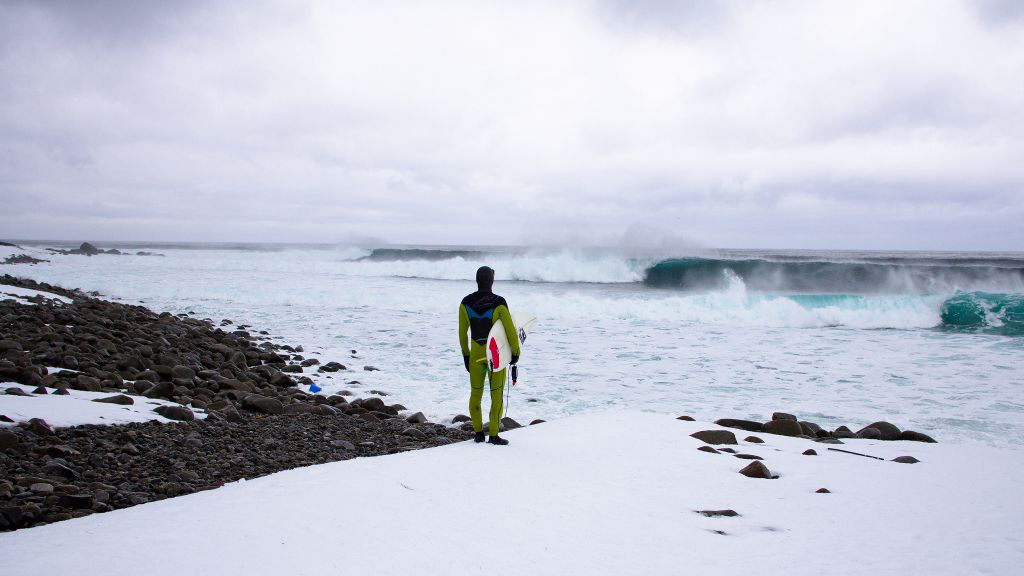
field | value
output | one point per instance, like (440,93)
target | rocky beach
(232,407)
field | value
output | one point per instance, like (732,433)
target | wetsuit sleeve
(502,313)
(463,330)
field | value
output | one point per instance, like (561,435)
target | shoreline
(257,419)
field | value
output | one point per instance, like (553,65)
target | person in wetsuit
(477,313)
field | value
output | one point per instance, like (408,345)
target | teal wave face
(824,276)
(987,312)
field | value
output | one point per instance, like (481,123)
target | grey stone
(906,460)
(718,513)
(782,416)
(180,413)
(687,419)
(8,439)
(870,433)
(40,427)
(810,452)
(886,430)
(715,436)
(263,404)
(117,399)
(748,425)
(343,444)
(784,427)
(417,418)
(916,437)
(757,469)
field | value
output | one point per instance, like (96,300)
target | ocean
(931,341)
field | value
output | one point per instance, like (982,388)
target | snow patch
(78,407)
(22,295)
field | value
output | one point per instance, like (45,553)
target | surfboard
(499,351)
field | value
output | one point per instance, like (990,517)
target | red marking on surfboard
(495,359)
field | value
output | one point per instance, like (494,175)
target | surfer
(477,313)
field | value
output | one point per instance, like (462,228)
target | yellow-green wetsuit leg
(497,402)
(477,374)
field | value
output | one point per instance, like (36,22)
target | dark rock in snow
(510,424)
(870,433)
(757,469)
(117,399)
(14,391)
(753,440)
(748,457)
(461,418)
(718,513)
(371,368)
(715,436)
(180,413)
(810,452)
(537,421)
(822,491)
(686,418)
(748,425)
(784,427)
(886,430)
(707,449)
(40,427)
(916,437)
(906,460)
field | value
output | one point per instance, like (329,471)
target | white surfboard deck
(499,351)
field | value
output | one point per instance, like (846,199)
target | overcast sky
(790,124)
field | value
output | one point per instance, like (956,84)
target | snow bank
(78,408)
(610,493)
(22,295)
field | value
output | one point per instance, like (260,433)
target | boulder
(708,449)
(88,383)
(414,432)
(810,429)
(843,432)
(757,469)
(15,391)
(753,440)
(371,368)
(39,427)
(886,430)
(263,404)
(782,416)
(916,437)
(748,425)
(40,390)
(374,404)
(906,460)
(715,437)
(822,491)
(783,427)
(179,413)
(461,418)
(510,424)
(748,456)
(537,421)
(870,433)
(417,418)
(686,418)
(299,408)
(160,390)
(810,452)
(331,367)
(183,372)
(343,444)
(8,439)
(718,513)
(117,399)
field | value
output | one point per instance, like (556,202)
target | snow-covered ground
(22,295)
(78,407)
(606,493)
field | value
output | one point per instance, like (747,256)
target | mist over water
(931,341)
